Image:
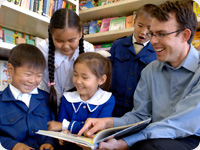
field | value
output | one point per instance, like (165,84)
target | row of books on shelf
(86,4)
(43,7)
(108,24)
(15,37)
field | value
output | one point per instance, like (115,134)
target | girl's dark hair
(183,12)
(61,19)
(23,54)
(99,65)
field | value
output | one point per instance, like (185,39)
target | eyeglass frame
(162,35)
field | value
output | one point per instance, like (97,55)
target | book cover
(31,42)
(51,8)
(92,27)
(8,35)
(40,10)
(86,6)
(115,132)
(20,40)
(129,21)
(5,78)
(196,40)
(85,28)
(2,36)
(99,23)
(14,38)
(117,23)
(196,9)
(105,24)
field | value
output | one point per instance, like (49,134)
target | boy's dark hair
(61,19)
(183,12)
(27,54)
(99,65)
(145,10)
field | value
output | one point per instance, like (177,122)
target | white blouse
(63,68)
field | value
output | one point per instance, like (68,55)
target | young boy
(23,107)
(129,55)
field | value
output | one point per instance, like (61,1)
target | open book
(115,132)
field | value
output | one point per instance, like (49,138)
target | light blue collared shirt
(170,96)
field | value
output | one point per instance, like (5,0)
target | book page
(81,140)
(117,132)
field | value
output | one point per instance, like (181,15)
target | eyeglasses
(160,35)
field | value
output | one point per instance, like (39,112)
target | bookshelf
(122,8)
(23,20)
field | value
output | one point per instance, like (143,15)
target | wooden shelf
(17,18)
(118,9)
(109,36)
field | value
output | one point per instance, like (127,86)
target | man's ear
(186,35)
(10,69)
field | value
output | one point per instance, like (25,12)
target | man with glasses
(168,91)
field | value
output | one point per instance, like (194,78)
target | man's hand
(93,125)
(113,144)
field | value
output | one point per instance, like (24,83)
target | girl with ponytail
(63,46)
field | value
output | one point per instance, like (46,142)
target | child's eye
(85,78)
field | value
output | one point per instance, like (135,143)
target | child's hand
(46,146)
(21,146)
(62,142)
(54,126)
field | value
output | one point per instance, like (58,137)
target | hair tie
(51,83)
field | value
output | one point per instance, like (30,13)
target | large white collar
(99,98)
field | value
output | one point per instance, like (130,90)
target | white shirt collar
(134,40)
(59,57)
(100,97)
(25,97)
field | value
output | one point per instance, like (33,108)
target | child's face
(66,40)
(142,26)
(24,78)
(85,81)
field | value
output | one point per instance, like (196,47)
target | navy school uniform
(76,111)
(127,67)
(18,123)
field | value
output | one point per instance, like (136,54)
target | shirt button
(126,103)
(43,112)
(129,89)
(82,122)
(11,120)
(32,130)
(84,107)
(132,73)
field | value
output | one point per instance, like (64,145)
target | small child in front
(23,107)
(92,79)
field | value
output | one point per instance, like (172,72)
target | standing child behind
(92,79)
(129,56)
(63,46)
(23,107)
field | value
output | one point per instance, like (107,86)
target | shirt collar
(190,62)
(60,58)
(17,92)
(134,40)
(100,97)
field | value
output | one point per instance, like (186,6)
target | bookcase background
(23,20)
